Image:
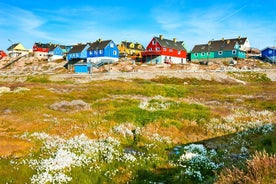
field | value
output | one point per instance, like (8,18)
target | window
(170,50)
(208,53)
(157,48)
(111,45)
(164,49)
(95,52)
(220,52)
(101,51)
(202,53)
(153,42)
(114,52)
(179,52)
(150,49)
(270,52)
(196,54)
(234,52)
(90,52)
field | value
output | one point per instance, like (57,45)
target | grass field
(165,130)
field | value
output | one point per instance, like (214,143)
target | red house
(41,50)
(161,50)
(2,54)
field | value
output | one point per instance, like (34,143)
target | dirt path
(219,76)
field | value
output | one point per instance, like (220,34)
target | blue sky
(194,22)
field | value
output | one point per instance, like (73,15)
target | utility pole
(12,48)
(273,53)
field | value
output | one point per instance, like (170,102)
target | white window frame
(150,49)
(196,54)
(153,42)
(157,48)
(220,53)
(111,45)
(202,53)
(114,52)
(234,52)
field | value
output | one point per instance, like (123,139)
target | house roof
(178,45)
(200,48)
(77,48)
(99,45)
(13,46)
(43,45)
(136,45)
(270,48)
(219,45)
(53,47)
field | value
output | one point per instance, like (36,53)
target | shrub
(261,169)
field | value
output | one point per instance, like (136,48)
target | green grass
(38,79)
(176,111)
(250,76)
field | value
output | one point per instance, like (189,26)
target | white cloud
(196,26)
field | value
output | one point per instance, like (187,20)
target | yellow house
(17,49)
(130,49)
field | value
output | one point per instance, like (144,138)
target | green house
(224,48)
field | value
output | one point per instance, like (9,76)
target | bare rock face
(65,106)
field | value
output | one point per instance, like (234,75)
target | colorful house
(225,48)
(17,49)
(2,54)
(269,54)
(160,50)
(83,67)
(41,50)
(130,49)
(78,52)
(102,51)
(56,52)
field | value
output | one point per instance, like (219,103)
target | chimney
(239,37)
(161,37)
(174,40)
(222,39)
(99,40)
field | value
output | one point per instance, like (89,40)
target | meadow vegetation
(163,130)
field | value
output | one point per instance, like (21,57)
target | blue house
(269,54)
(78,52)
(55,52)
(83,68)
(102,51)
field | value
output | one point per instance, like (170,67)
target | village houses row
(159,50)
